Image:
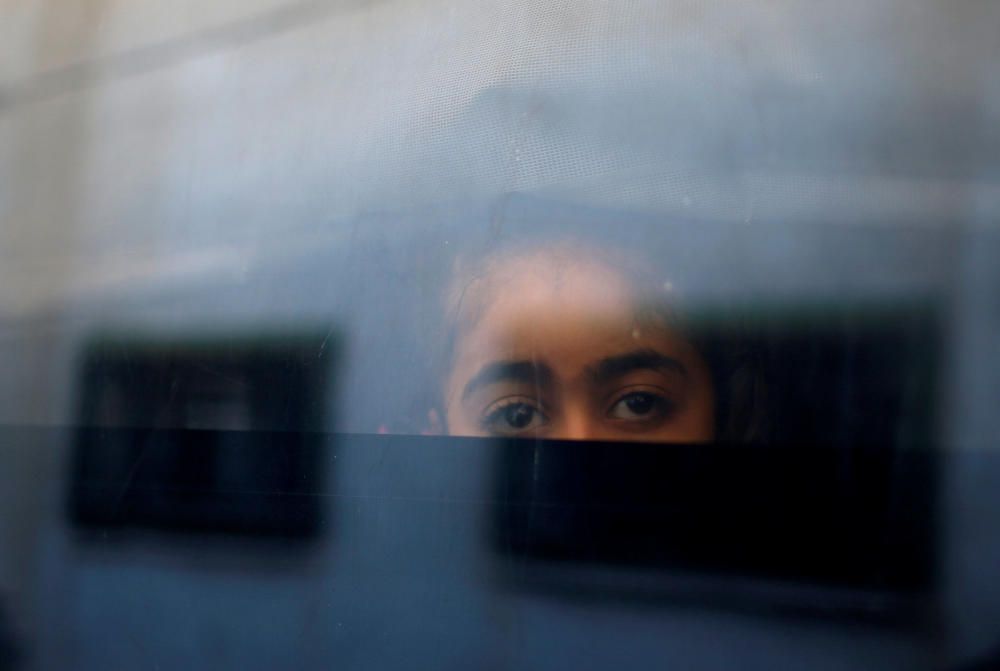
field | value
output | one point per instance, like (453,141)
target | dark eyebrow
(643,359)
(508,371)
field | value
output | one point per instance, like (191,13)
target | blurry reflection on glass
(565,339)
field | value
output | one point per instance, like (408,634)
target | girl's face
(554,346)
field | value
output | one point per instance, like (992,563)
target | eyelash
(495,413)
(662,405)
(661,408)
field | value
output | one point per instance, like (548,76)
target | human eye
(641,405)
(511,416)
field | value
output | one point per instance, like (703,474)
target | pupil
(519,416)
(640,404)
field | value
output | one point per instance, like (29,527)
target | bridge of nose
(578,420)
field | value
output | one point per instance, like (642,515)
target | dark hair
(737,365)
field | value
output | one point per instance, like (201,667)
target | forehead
(555,305)
(568,280)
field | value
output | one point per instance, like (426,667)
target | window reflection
(793,439)
(690,294)
(798,526)
(206,434)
